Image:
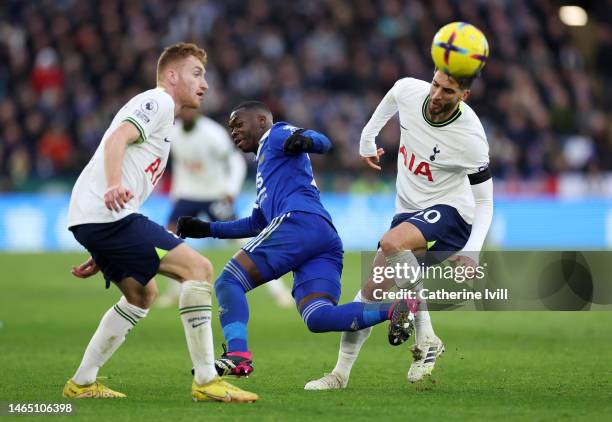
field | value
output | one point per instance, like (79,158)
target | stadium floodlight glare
(573,15)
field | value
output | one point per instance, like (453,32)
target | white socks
(350,345)
(409,269)
(111,332)
(195,311)
(422,321)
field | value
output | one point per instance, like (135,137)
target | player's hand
(86,269)
(297,143)
(373,161)
(116,197)
(192,227)
(466,260)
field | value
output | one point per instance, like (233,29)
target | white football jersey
(205,164)
(152,112)
(434,158)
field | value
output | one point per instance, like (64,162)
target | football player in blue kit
(291,231)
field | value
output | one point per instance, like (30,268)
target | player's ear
(262,121)
(465,94)
(171,75)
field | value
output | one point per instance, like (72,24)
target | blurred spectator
(544,96)
(54,150)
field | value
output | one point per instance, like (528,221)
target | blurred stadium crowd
(66,66)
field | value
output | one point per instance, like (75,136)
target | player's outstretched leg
(350,345)
(230,289)
(320,314)
(114,327)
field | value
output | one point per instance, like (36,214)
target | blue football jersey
(285,182)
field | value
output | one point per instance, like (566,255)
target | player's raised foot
(424,357)
(239,364)
(91,391)
(327,382)
(401,320)
(219,390)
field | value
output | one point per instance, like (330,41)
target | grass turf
(530,366)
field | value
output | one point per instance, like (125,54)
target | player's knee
(390,244)
(233,276)
(142,298)
(315,326)
(200,268)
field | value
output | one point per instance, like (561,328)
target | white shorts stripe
(265,233)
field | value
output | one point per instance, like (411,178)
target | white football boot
(327,382)
(424,357)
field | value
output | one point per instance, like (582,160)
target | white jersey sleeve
(384,111)
(205,164)
(144,161)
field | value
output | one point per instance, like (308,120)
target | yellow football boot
(219,390)
(91,391)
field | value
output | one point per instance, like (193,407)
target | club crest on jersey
(436,151)
(420,169)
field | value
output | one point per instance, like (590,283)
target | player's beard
(189,99)
(444,109)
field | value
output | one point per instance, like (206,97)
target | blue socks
(320,315)
(230,289)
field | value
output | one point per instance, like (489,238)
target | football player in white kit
(130,249)
(444,201)
(207,175)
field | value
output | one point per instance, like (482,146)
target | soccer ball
(460,50)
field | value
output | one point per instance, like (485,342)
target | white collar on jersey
(261,142)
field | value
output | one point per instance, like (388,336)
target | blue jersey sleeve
(320,143)
(281,131)
(238,229)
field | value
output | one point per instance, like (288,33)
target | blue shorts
(214,210)
(130,247)
(444,229)
(304,243)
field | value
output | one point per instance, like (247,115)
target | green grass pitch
(528,366)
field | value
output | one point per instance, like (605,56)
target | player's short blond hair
(179,51)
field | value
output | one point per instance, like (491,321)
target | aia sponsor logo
(418,169)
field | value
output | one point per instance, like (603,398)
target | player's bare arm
(117,196)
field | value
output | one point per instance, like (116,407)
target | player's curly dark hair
(179,51)
(464,83)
